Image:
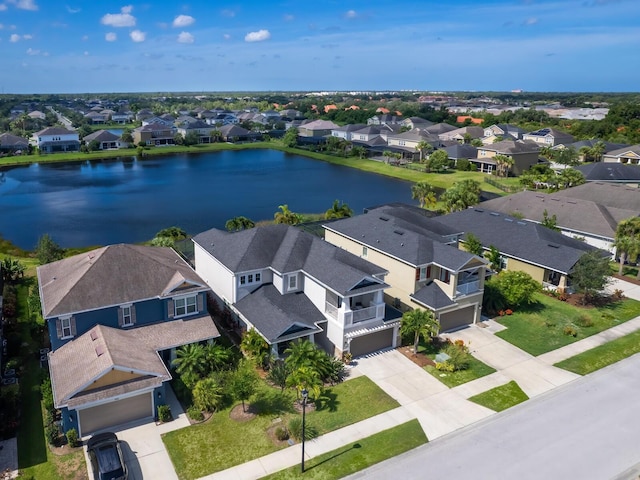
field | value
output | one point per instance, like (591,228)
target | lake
(127,200)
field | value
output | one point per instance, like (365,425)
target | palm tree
(388,154)
(239,223)
(302,353)
(338,210)
(419,323)
(190,363)
(627,241)
(424,193)
(216,356)
(598,150)
(12,269)
(503,164)
(286,216)
(424,148)
(305,378)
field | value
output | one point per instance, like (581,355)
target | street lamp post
(305,395)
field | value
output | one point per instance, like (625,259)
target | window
(65,323)
(127,317)
(250,278)
(444,275)
(257,277)
(293,282)
(425,273)
(365,251)
(185,305)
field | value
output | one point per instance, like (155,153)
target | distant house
(384,119)
(426,269)
(288,284)
(346,132)
(440,128)
(106,140)
(12,143)
(122,117)
(461,151)
(611,173)
(548,256)
(502,131)
(200,128)
(627,154)
(236,133)
(462,134)
(407,142)
(473,120)
(56,139)
(415,122)
(524,154)
(37,115)
(96,118)
(548,137)
(317,129)
(158,134)
(115,316)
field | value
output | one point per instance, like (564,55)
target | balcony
(331,310)
(468,288)
(357,315)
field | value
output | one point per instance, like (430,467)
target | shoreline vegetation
(438,180)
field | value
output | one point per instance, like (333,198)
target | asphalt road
(587,429)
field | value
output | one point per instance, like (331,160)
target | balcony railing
(468,288)
(363,314)
(331,310)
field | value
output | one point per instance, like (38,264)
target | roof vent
(398,232)
(99,350)
(495,214)
(402,244)
(94,335)
(384,219)
(522,223)
(478,210)
(508,219)
(553,245)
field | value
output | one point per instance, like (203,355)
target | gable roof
(610,172)
(321,125)
(608,194)
(583,216)
(439,128)
(402,233)
(9,140)
(633,150)
(101,136)
(231,130)
(84,360)
(287,249)
(113,275)
(527,241)
(461,151)
(511,147)
(432,296)
(54,131)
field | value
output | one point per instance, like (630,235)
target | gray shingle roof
(273,314)
(461,151)
(510,147)
(520,239)
(610,172)
(112,275)
(607,194)
(9,140)
(287,249)
(432,296)
(402,233)
(101,136)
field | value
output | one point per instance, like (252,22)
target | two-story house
(115,316)
(426,269)
(549,137)
(346,132)
(288,284)
(524,154)
(154,134)
(56,139)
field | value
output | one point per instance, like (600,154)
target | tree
(286,216)
(236,224)
(178,139)
(207,394)
(627,241)
(358,151)
(492,299)
(254,346)
(424,148)
(598,150)
(216,356)
(419,323)
(549,221)
(191,138)
(495,259)
(303,353)
(570,177)
(424,193)
(94,146)
(338,210)
(175,233)
(566,156)
(472,244)
(126,136)
(503,164)
(517,288)
(190,363)
(305,378)
(438,161)
(47,250)
(461,195)
(278,374)
(290,138)
(476,142)
(12,269)
(243,382)
(590,274)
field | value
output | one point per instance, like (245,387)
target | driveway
(630,290)
(142,446)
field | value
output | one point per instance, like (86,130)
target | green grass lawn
(221,442)
(476,370)
(539,329)
(603,355)
(362,454)
(501,398)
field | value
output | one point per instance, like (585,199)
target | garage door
(457,319)
(372,342)
(115,413)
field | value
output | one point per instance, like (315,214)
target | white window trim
(124,322)
(243,280)
(186,298)
(294,277)
(64,319)
(423,273)
(365,252)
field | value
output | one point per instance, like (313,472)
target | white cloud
(31,51)
(137,36)
(289,18)
(85,38)
(226,36)
(27,37)
(111,37)
(122,19)
(531,21)
(3,7)
(259,36)
(185,37)
(25,4)
(182,21)
(86,54)
(351,14)
(14,38)
(73,10)
(228,13)
(1,26)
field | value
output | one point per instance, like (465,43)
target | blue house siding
(146,312)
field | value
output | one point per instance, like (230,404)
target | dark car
(106,457)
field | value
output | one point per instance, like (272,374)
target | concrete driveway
(630,290)
(144,452)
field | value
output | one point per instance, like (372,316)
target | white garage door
(457,319)
(372,342)
(115,413)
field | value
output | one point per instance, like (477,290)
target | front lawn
(353,458)
(550,324)
(602,355)
(501,398)
(476,370)
(221,442)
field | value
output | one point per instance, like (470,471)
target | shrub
(569,330)
(52,433)
(618,294)
(194,413)
(584,321)
(508,311)
(164,413)
(458,356)
(446,366)
(72,438)
(282,434)
(295,429)
(462,164)
(47,395)
(563,297)
(207,394)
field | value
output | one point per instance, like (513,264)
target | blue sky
(64,46)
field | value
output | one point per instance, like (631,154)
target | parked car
(106,457)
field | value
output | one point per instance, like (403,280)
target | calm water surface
(126,200)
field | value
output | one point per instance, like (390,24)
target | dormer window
(425,273)
(293,281)
(126,316)
(66,327)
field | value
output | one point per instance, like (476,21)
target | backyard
(222,442)
(549,323)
